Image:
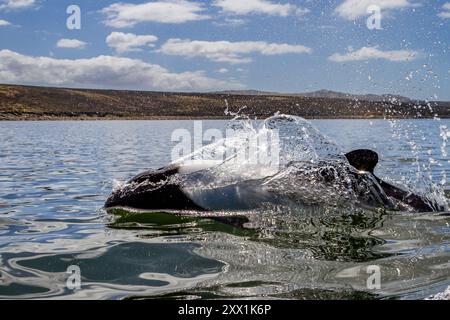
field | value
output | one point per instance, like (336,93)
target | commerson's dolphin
(155,190)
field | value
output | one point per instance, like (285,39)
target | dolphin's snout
(111,201)
(116,199)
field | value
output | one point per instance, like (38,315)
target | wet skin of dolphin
(367,160)
(149,192)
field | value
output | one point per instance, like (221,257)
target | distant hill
(248,93)
(323,94)
(363,97)
(38,103)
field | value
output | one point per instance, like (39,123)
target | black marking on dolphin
(163,196)
(367,160)
(154,190)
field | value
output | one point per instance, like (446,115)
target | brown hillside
(22,102)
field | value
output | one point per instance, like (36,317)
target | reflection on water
(124,266)
(55,177)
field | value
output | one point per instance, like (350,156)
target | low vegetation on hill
(40,103)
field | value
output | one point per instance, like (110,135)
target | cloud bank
(123,15)
(229,52)
(71,44)
(129,42)
(245,7)
(445,14)
(16,4)
(368,53)
(4,23)
(354,9)
(101,72)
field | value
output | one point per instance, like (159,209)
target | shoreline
(189,118)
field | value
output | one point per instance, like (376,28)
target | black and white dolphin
(155,190)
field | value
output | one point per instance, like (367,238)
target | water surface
(55,177)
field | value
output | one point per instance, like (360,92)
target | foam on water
(445,295)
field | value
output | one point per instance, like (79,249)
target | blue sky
(273,45)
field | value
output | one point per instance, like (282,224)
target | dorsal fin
(363,159)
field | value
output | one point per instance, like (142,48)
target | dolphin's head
(152,190)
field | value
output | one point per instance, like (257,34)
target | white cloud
(367,53)
(16,4)
(222,70)
(244,7)
(230,52)
(4,23)
(354,9)
(446,13)
(122,15)
(71,44)
(230,22)
(101,72)
(128,42)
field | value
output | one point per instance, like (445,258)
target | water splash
(426,181)
(310,171)
(117,185)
